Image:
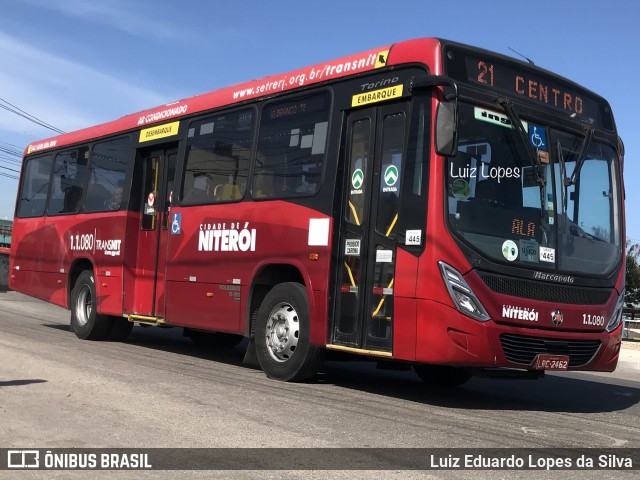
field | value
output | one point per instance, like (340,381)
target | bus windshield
(560,218)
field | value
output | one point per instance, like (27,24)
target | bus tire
(213,339)
(282,335)
(442,375)
(86,323)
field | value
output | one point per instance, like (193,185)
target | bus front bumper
(445,336)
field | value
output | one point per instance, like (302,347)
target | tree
(632,294)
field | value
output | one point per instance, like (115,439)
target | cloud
(117,14)
(63,92)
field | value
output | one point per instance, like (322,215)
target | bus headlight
(463,297)
(616,318)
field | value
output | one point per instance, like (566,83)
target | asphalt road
(157,389)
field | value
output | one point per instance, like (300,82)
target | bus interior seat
(230,192)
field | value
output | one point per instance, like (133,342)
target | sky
(77,63)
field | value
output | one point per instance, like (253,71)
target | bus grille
(546,292)
(523,349)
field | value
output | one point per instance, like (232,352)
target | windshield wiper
(563,175)
(534,161)
(588,134)
(517,124)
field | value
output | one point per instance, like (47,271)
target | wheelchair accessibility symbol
(176,224)
(538,137)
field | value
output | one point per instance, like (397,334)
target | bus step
(506,373)
(146,320)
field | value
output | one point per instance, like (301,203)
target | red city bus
(426,202)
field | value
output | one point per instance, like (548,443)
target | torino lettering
(231,240)
(519,313)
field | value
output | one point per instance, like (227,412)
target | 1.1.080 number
(82,242)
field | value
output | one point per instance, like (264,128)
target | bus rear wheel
(442,375)
(86,322)
(282,333)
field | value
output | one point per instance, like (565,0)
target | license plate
(552,362)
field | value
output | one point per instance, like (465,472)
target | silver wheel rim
(283,331)
(84,305)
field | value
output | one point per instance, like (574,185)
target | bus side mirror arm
(446,127)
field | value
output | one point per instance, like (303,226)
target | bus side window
(217,158)
(35,184)
(292,147)
(109,162)
(70,176)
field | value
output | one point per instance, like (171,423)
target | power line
(18,111)
(10,152)
(10,161)
(10,169)
(8,175)
(10,149)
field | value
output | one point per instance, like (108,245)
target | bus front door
(364,310)
(156,178)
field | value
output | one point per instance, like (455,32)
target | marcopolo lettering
(553,277)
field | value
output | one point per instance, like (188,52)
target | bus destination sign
(527,84)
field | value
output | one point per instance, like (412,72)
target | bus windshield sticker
(548,254)
(538,137)
(528,250)
(510,250)
(495,118)
(460,189)
(352,247)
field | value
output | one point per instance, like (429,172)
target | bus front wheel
(282,334)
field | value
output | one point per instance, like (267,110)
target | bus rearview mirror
(446,129)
